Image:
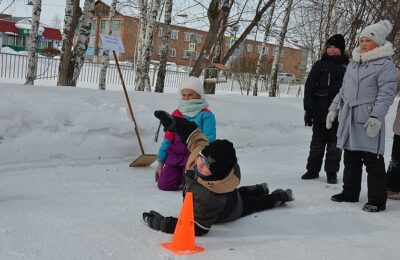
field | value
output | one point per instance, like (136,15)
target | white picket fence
(13,68)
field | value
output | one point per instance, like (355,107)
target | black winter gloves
(308,118)
(180,125)
(153,219)
(156,221)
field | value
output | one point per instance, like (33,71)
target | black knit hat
(221,157)
(338,41)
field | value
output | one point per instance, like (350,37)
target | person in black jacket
(322,85)
(213,175)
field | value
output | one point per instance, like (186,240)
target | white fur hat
(192,83)
(377,32)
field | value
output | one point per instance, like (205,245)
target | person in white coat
(368,90)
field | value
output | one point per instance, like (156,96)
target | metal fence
(13,68)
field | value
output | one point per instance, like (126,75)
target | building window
(192,37)
(10,39)
(249,48)
(259,50)
(20,40)
(280,66)
(186,54)
(174,35)
(160,32)
(172,52)
(159,49)
(198,38)
(276,49)
(187,36)
(116,28)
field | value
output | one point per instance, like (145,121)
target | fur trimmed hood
(380,52)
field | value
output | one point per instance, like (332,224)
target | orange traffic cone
(183,242)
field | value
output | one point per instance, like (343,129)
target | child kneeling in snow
(213,175)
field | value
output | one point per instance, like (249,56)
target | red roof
(7,26)
(52,34)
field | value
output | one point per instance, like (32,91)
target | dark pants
(255,200)
(324,138)
(376,179)
(393,172)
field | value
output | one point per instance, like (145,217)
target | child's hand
(166,120)
(153,219)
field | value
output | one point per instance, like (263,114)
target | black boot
(342,197)
(373,207)
(310,175)
(280,196)
(331,177)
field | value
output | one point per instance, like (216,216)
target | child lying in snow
(213,175)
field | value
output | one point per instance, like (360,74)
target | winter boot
(342,197)
(280,196)
(310,175)
(331,177)
(373,207)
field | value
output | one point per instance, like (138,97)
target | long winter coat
(369,87)
(396,125)
(323,83)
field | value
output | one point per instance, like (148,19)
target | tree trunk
(218,12)
(273,88)
(209,87)
(162,69)
(104,65)
(142,79)
(140,40)
(72,14)
(260,56)
(32,58)
(83,39)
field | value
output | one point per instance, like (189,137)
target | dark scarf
(343,59)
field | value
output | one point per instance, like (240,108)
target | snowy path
(94,212)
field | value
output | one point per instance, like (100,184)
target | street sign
(232,41)
(192,47)
(112,43)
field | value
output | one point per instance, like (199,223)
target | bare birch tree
(142,79)
(105,64)
(278,51)
(82,39)
(263,46)
(162,69)
(32,43)
(72,14)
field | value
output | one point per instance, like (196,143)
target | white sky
(50,8)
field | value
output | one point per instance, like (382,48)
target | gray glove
(373,126)
(330,118)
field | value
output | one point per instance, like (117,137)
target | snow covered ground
(66,191)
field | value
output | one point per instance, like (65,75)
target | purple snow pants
(174,168)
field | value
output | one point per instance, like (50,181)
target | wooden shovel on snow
(143,159)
